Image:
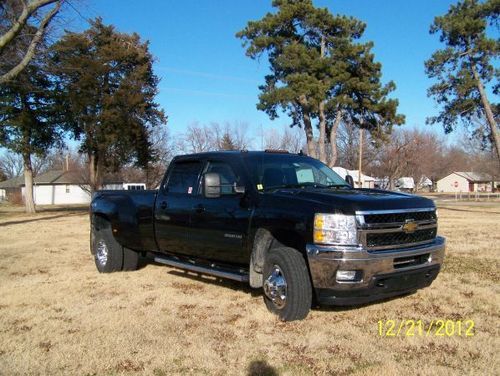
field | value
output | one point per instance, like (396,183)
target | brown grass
(59,316)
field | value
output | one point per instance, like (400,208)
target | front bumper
(380,274)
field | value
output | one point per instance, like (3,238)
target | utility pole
(360,183)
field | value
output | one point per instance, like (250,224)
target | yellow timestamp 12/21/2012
(420,328)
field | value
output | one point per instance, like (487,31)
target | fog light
(348,275)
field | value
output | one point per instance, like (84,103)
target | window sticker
(190,190)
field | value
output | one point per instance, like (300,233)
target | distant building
(366,181)
(466,182)
(11,187)
(425,184)
(59,187)
(405,184)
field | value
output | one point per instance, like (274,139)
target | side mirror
(211,185)
(349,180)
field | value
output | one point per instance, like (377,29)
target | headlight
(335,229)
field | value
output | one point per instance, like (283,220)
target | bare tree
(23,23)
(289,139)
(393,158)
(348,148)
(164,150)
(238,132)
(417,154)
(197,139)
(215,136)
(11,165)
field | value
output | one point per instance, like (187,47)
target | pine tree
(319,73)
(107,89)
(227,143)
(28,122)
(464,68)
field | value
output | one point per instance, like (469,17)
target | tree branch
(32,47)
(28,10)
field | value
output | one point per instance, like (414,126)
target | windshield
(271,171)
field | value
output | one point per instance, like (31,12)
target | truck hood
(352,200)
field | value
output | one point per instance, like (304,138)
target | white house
(60,187)
(366,181)
(465,182)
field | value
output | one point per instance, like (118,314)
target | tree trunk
(311,148)
(95,172)
(489,113)
(322,132)
(360,158)
(308,129)
(29,201)
(333,139)
(321,113)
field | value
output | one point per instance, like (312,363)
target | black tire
(108,253)
(298,290)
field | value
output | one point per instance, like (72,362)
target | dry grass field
(59,316)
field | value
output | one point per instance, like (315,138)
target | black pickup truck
(282,222)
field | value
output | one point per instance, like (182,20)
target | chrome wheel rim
(102,253)
(275,287)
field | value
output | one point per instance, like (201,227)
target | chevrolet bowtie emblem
(410,226)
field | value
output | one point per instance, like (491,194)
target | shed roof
(53,177)
(47,178)
(474,176)
(12,183)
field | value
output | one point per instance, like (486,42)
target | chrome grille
(399,238)
(380,230)
(400,217)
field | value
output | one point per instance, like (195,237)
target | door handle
(163,205)
(199,208)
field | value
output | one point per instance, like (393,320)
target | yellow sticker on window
(260,187)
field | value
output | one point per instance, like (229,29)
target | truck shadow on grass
(206,278)
(343,308)
(37,219)
(239,286)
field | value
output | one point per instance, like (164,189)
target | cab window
(183,178)
(228,179)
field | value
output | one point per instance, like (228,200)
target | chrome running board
(213,270)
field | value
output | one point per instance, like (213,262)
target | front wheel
(287,287)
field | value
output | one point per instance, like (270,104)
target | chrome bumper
(324,261)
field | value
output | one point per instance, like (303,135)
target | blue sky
(206,77)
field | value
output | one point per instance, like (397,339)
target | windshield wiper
(338,186)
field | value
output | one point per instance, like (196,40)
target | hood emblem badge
(410,226)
